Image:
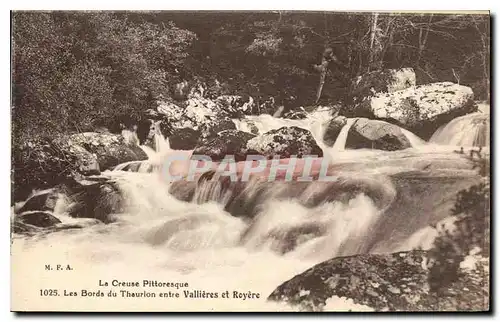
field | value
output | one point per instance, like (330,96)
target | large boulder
(374,134)
(197,113)
(379,81)
(38,218)
(216,126)
(383,282)
(94,197)
(31,222)
(333,129)
(39,163)
(423,109)
(229,142)
(109,149)
(86,161)
(192,113)
(285,142)
(184,139)
(44,200)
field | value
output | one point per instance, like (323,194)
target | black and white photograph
(250,161)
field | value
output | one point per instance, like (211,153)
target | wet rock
(44,200)
(373,134)
(183,190)
(99,199)
(230,142)
(285,142)
(249,126)
(18,227)
(137,166)
(295,115)
(423,109)
(38,219)
(375,282)
(333,129)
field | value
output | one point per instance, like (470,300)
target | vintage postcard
(250,161)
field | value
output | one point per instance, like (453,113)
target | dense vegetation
(470,232)
(73,71)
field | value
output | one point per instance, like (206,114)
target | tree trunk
(485,57)
(372,39)
(323,68)
(422,39)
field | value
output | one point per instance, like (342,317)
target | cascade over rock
(374,134)
(285,142)
(465,131)
(333,130)
(96,197)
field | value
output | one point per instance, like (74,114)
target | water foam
(466,131)
(160,236)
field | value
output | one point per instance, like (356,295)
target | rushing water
(466,131)
(255,236)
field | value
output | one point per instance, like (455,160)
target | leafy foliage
(471,230)
(73,70)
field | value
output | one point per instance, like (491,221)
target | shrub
(471,229)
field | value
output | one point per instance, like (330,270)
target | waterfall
(279,111)
(162,145)
(315,122)
(149,151)
(465,131)
(415,141)
(339,144)
(130,137)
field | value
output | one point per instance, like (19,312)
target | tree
(74,70)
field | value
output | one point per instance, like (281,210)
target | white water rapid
(251,237)
(465,131)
